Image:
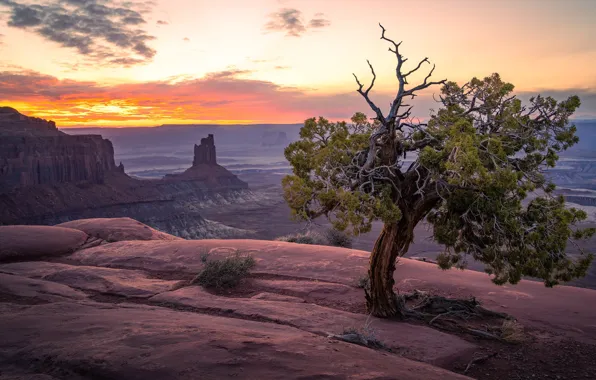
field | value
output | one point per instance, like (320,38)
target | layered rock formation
(13,123)
(50,177)
(28,161)
(34,152)
(206,172)
(205,153)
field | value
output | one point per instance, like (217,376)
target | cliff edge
(34,152)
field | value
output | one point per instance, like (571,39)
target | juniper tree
(475,171)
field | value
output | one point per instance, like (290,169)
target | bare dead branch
(371,104)
(478,359)
(416,68)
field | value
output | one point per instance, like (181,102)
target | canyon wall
(48,160)
(34,152)
(50,177)
(13,123)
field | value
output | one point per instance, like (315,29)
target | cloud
(162,22)
(103,31)
(260,60)
(224,96)
(319,23)
(218,96)
(186,39)
(290,20)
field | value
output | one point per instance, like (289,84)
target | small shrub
(338,238)
(364,336)
(226,272)
(309,237)
(512,331)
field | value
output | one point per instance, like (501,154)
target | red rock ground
(75,306)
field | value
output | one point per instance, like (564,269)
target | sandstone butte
(110,299)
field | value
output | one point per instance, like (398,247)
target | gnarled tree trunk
(393,242)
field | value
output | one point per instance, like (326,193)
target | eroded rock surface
(17,287)
(410,340)
(29,242)
(126,310)
(117,229)
(120,282)
(273,257)
(87,340)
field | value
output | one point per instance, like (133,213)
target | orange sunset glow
(148,63)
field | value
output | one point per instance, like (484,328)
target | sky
(146,63)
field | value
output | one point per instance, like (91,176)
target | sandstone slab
(313,262)
(420,342)
(86,340)
(529,301)
(320,292)
(36,290)
(117,229)
(121,282)
(29,242)
(277,297)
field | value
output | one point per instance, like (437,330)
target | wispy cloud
(224,96)
(162,22)
(214,97)
(186,39)
(319,21)
(106,32)
(291,21)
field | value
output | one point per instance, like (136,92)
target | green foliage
(224,273)
(338,238)
(321,163)
(330,237)
(478,178)
(494,159)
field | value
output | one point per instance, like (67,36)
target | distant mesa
(13,123)
(274,138)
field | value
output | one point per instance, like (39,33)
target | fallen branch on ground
(452,314)
(477,360)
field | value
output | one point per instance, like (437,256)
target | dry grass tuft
(512,331)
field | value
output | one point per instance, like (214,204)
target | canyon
(49,177)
